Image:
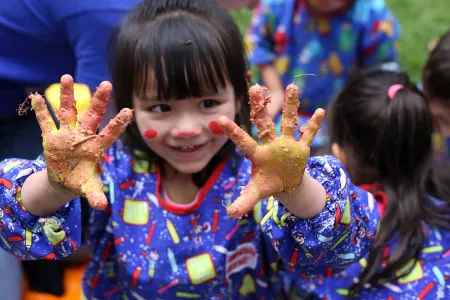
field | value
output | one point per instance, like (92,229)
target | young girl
(162,231)
(327,38)
(436,80)
(380,128)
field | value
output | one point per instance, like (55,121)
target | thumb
(253,192)
(245,202)
(97,199)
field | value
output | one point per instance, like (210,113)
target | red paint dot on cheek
(215,128)
(150,134)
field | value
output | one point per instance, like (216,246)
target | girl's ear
(339,153)
(248,76)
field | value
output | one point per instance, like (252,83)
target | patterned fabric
(145,248)
(429,278)
(283,32)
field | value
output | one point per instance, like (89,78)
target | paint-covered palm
(73,152)
(279,163)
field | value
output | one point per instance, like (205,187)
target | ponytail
(404,136)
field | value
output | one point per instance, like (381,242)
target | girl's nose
(186,127)
(176,132)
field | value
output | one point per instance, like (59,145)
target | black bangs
(180,57)
(191,50)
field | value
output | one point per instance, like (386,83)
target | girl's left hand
(280,162)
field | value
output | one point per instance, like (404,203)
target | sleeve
(27,236)
(379,36)
(337,237)
(90,35)
(261,39)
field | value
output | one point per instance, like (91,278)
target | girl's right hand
(74,151)
(278,165)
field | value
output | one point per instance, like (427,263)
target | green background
(421,21)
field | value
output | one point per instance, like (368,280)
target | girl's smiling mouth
(188,150)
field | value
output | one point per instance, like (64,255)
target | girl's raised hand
(279,163)
(74,151)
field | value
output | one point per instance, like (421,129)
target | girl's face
(185,132)
(328,6)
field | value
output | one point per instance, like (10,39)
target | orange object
(72,286)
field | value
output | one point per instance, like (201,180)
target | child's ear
(339,153)
(248,77)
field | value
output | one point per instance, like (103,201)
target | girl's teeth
(187,149)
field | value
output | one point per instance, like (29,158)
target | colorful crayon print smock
(147,247)
(285,33)
(429,278)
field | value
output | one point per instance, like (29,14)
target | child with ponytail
(381,129)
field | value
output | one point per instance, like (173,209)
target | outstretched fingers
(97,108)
(239,137)
(115,128)
(312,127)
(259,115)
(289,119)
(67,112)
(43,116)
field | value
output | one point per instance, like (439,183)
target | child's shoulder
(327,168)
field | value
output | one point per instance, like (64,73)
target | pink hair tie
(393,89)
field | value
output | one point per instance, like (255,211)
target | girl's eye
(209,103)
(160,108)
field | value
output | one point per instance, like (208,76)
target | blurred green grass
(421,21)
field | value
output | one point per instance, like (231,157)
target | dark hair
(187,48)
(388,142)
(436,73)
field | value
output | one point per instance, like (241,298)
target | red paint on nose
(186,133)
